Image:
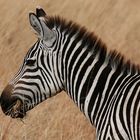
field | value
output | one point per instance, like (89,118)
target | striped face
(38,77)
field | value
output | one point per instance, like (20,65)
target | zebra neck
(94,79)
(85,74)
(91,77)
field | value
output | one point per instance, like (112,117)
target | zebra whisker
(22,121)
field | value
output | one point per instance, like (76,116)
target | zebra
(67,57)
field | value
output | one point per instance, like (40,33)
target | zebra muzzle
(18,110)
(17,106)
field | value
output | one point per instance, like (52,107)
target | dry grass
(116,22)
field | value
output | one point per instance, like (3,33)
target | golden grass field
(117,23)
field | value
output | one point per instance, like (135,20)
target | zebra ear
(35,23)
(41,28)
(40,12)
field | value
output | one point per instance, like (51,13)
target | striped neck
(92,76)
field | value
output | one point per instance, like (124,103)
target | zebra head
(38,77)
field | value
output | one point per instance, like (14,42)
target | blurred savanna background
(117,23)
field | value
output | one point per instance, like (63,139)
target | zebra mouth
(17,110)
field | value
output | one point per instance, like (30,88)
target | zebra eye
(30,62)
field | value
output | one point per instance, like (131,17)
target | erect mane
(90,39)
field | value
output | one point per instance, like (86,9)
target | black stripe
(138,121)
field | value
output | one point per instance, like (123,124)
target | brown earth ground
(116,22)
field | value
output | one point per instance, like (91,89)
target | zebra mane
(94,44)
